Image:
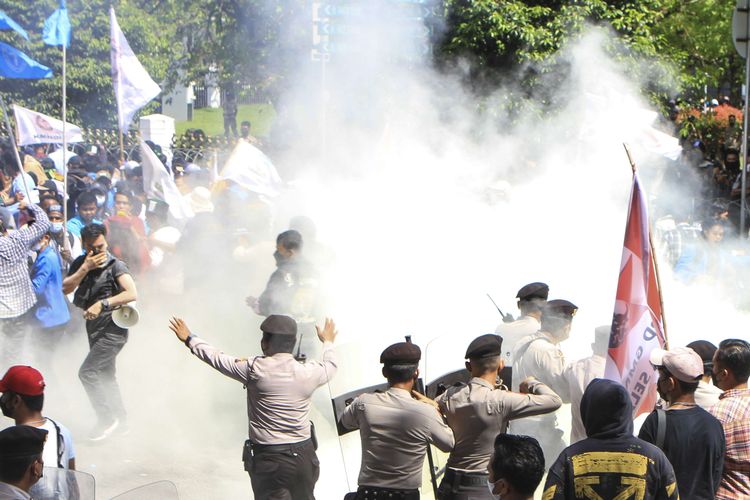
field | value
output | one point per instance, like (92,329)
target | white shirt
(579,375)
(515,331)
(49,454)
(10,492)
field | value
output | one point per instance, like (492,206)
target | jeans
(97,374)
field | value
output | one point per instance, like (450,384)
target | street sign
(740,30)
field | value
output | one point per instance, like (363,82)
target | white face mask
(56,227)
(491,486)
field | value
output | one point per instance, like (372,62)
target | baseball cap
(23,380)
(682,362)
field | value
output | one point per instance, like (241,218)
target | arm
(327,335)
(349,417)
(127,294)
(439,433)
(539,400)
(648,429)
(41,225)
(228,365)
(74,278)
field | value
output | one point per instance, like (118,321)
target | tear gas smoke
(428,206)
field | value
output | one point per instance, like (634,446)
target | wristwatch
(105,304)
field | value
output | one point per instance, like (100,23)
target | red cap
(23,380)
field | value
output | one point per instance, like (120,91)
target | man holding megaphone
(102,285)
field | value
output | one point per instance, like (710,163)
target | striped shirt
(733,411)
(16,293)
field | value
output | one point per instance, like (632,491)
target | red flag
(637,325)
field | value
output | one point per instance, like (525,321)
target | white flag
(159,184)
(251,170)
(134,88)
(36,128)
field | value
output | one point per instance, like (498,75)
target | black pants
(285,472)
(458,486)
(97,374)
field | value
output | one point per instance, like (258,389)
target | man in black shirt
(103,284)
(691,438)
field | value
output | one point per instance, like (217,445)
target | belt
(376,493)
(458,478)
(280,448)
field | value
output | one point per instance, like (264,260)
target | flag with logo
(6,23)
(637,324)
(134,88)
(16,64)
(57,27)
(34,128)
(159,184)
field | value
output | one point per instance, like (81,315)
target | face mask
(491,486)
(56,227)
(37,246)
(8,412)
(100,201)
(278,257)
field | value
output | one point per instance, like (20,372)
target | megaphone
(126,315)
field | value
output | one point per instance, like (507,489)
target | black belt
(458,478)
(280,448)
(377,493)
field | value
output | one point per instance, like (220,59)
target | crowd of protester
(696,444)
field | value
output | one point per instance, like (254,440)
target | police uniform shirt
(477,412)
(278,389)
(394,430)
(536,356)
(515,331)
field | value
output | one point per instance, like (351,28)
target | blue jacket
(46,278)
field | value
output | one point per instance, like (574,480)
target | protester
(21,463)
(691,438)
(610,462)
(126,235)
(280,454)
(395,428)
(531,300)
(731,369)
(16,291)
(87,208)
(101,283)
(707,393)
(516,467)
(51,311)
(538,355)
(22,400)
(477,411)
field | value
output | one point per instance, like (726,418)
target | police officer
(395,427)
(21,463)
(531,300)
(280,454)
(539,355)
(479,411)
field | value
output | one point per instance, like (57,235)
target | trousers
(97,374)
(283,472)
(14,332)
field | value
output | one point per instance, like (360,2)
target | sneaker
(103,431)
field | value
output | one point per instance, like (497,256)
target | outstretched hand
(180,328)
(328,332)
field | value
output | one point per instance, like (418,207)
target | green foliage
(211,121)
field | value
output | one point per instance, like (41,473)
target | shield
(64,484)
(159,490)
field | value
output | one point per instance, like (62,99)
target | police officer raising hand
(328,332)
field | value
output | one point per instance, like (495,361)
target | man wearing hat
(690,437)
(21,463)
(478,411)
(580,373)
(538,355)
(395,427)
(531,300)
(280,452)
(707,394)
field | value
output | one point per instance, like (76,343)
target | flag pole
(654,260)
(15,146)
(65,149)
(122,148)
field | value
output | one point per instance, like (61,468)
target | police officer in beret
(280,452)
(531,300)
(539,355)
(21,461)
(479,411)
(395,427)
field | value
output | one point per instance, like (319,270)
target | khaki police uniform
(532,293)
(395,430)
(280,454)
(477,412)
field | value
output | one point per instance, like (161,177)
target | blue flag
(6,23)
(16,64)
(57,27)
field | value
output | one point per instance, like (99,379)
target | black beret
(21,441)
(485,346)
(560,308)
(534,290)
(279,325)
(402,353)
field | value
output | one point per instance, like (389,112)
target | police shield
(64,484)
(160,490)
